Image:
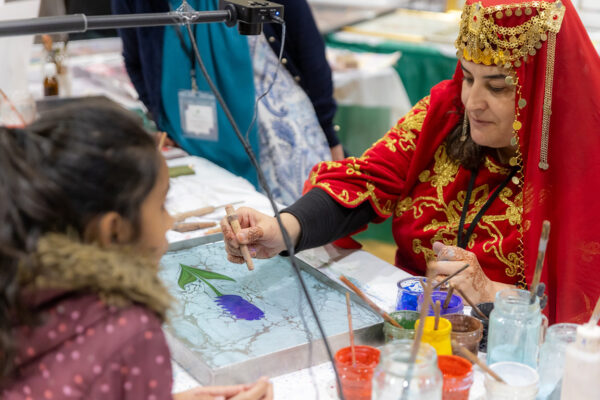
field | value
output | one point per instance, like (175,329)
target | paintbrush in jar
(374,306)
(448,296)
(418,334)
(595,314)
(470,302)
(539,264)
(475,360)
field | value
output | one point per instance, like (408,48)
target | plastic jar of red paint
(356,379)
(458,377)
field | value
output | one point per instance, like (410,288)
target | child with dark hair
(83,228)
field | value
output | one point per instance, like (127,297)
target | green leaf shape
(185,277)
(219,294)
(204,274)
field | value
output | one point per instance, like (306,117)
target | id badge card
(198,112)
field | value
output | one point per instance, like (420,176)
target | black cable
(254,116)
(262,181)
(309,336)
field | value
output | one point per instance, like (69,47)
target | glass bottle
(466,331)
(552,359)
(421,380)
(50,79)
(515,328)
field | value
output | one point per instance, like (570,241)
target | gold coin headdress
(484,40)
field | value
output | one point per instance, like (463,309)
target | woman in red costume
(471,172)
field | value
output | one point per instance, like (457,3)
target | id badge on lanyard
(197,109)
(198,112)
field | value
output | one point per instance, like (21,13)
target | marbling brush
(374,306)
(539,264)
(437,310)
(192,226)
(448,296)
(473,305)
(213,231)
(452,275)
(200,211)
(161,140)
(595,314)
(475,360)
(350,331)
(414,350)
(235,225)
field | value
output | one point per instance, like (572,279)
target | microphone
(251,14)
(248,14)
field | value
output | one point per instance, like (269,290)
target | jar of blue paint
(454,307)
(409,290)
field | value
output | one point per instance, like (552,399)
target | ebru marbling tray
(217,348)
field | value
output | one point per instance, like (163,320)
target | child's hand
(260,232)
(261,390)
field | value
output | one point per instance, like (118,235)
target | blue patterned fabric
(291,138)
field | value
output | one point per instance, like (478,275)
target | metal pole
(82,23)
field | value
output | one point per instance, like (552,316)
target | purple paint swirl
(239,308)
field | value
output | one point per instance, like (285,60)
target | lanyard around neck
(190,53)
(463,241)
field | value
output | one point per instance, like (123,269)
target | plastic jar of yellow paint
(439,339)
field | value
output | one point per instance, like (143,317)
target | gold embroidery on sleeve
(400,137)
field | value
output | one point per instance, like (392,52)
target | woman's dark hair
(56,175)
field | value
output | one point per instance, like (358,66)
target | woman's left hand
(472,281)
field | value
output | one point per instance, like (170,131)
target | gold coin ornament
(517,125)
(522,103)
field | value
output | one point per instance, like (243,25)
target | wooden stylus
(235,225)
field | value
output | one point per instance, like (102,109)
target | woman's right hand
(260,232)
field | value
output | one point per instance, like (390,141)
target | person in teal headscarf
(294,129)
(233,78)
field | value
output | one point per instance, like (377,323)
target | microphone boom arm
(250,15)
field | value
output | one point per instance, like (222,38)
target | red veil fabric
(567,192)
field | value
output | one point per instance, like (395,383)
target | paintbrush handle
(475,360)
(437,309)
(452,275)
(201,211)
(448,296)
(595,314)
(422,317)
(350,330)
(213,231)
(193,213)
(192,226)
(539,264)
(473,305)
(374,306)
(161,140)
(235,225)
